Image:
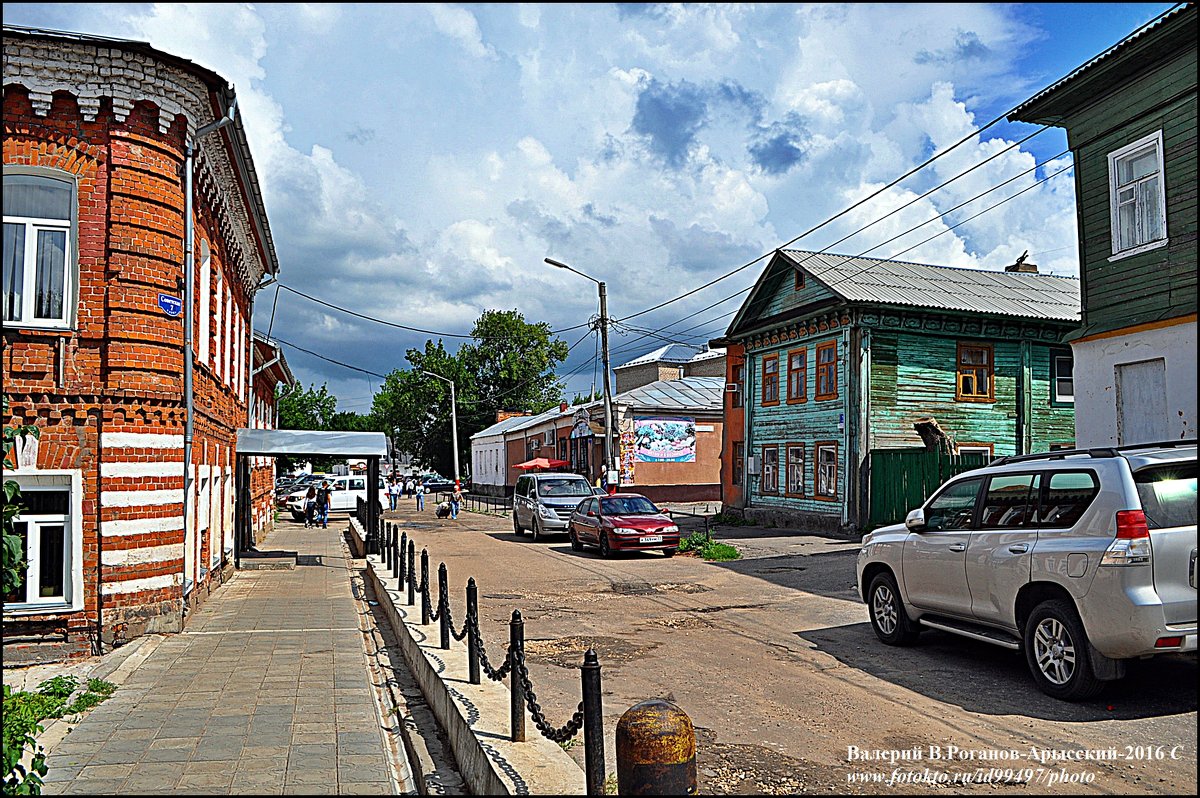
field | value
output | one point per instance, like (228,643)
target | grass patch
(706,548)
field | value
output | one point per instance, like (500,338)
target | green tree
(305,409)
(509,365)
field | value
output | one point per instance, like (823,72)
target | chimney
(1022,266)
(562,407)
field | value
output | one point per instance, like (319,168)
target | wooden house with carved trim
(844,354)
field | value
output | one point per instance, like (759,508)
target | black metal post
(396,549)
(444,606)
(472,643)
(403,548)
(426,609)
(386,553)
(412,574)
(593,724)
(516,657)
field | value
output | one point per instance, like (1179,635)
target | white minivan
(345,491)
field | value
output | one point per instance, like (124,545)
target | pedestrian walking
(419,489)
(394,493)
(323,505)
(409,486)
(455,501)
(310,506)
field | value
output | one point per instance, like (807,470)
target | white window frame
(974,448)
(1156,140)
(70,262)
(204,290)
(218,296)
(1056,375)
(821,469)
(51,479)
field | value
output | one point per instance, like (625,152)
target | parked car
(544,502)
(344,495)
(622,522)
(434,482)
(283,493)
(1083,559)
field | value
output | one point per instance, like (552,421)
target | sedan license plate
(650,539)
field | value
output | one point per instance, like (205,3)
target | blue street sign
(171,305)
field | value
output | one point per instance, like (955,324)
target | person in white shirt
(393,492)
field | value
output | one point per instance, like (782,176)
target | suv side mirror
(915,520)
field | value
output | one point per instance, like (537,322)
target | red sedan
(622,522)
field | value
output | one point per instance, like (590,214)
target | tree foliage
(508,365)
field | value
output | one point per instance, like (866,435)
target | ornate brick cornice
(92,74)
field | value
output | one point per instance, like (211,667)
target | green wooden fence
(902,479)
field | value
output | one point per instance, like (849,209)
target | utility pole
(610,464)
(609,448)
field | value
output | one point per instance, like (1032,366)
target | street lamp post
(610,465)
(453,421)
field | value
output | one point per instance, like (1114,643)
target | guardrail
(398,555)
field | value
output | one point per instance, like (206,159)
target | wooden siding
(804,424)
(913,375)
(1051,422)
(785,296)
(1159,283)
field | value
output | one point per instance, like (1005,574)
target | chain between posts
(559,735)
(588,715)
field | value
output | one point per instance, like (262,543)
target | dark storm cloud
(967,45)
(781,146)
(670,115)
(697,249)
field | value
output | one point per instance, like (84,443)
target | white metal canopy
(275,442)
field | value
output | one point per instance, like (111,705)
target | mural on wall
(628,454)
(665,439)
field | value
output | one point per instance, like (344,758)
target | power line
(895,182)
(863,268)
(397,325)
(328,359)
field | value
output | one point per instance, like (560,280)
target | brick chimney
(562,407)
(1022,266)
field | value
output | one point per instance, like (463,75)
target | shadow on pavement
(828,573)
(994,681)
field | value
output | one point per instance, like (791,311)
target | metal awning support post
(241,527)
(372,500)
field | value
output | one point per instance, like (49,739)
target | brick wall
(107,392)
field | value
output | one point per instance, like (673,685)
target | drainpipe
(99,531)
(846,428)
(189,283)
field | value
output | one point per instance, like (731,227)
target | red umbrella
(541,462)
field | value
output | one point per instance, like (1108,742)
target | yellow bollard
(656,750)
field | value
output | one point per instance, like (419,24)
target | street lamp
(610,466)
(453,420)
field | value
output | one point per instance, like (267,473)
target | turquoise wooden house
(844,355)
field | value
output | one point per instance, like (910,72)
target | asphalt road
(773,658)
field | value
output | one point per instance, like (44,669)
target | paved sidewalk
(266,692)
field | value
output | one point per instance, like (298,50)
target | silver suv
(544,502)
(1083,558)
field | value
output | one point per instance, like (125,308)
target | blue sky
(419,161)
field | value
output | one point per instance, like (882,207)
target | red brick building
(95,136)
(270,371)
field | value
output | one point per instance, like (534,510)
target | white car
(345,491)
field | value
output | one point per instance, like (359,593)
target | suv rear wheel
(1056,649)
(888,618)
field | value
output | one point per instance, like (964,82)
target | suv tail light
(1132,544)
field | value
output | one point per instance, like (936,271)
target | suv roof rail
(1158,445)
(1057,454)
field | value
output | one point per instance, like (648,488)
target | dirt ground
(773,659)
